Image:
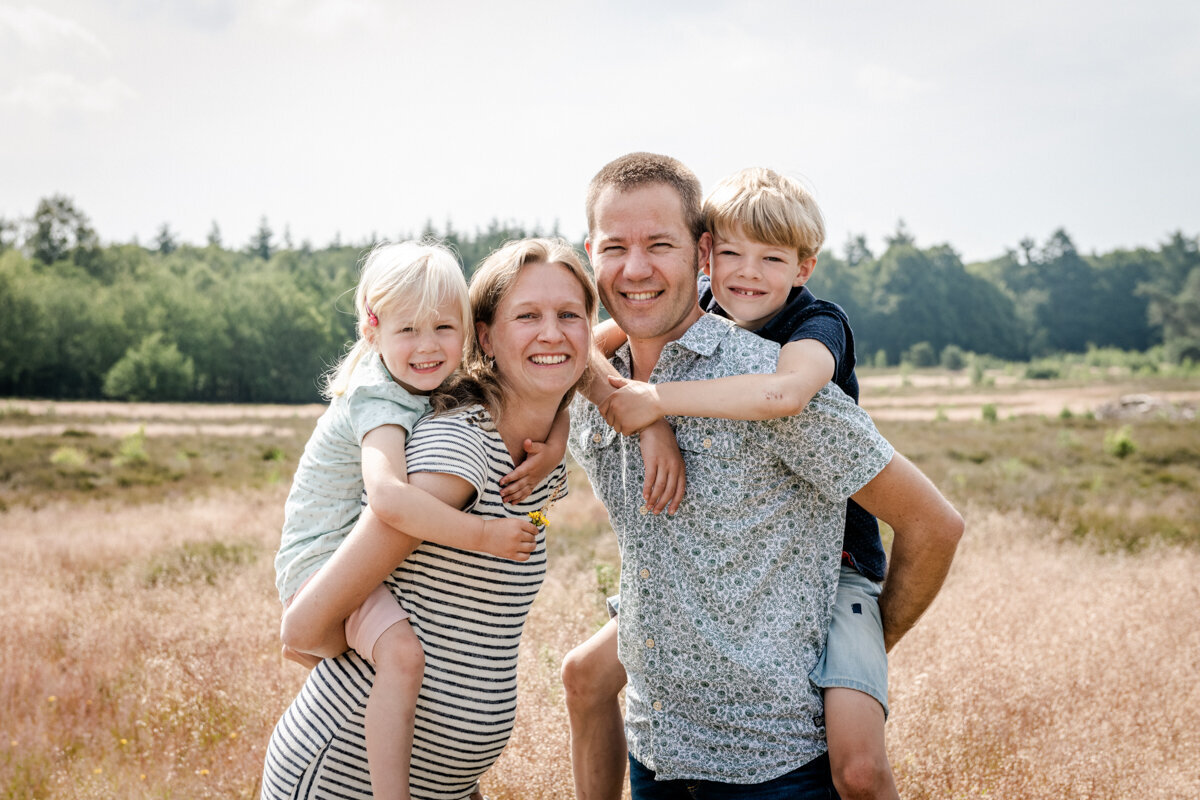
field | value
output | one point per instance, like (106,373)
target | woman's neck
(519,420)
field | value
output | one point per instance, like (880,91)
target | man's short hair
(642,169)
(769,208)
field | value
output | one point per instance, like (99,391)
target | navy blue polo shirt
(806,317)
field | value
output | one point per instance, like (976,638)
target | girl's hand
(632,408)
(665,475)
(513,539)
(540,461)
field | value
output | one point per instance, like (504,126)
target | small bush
(1119,442)
(881,359)
(132,449)
(1042,372)
(953,358)
(920,354)
(69,457)
(989,413)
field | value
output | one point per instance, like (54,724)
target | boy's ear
(806,270)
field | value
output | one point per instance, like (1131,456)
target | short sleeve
(828,324)
(832,443)
(374,400)
(451,445)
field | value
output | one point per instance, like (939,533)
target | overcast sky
(979,124)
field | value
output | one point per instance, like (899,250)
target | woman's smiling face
(540,335)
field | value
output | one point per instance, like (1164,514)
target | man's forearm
(920,560)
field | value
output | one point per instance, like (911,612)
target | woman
(533,304)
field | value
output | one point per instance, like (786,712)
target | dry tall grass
(138,659)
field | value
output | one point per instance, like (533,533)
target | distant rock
(1142,406)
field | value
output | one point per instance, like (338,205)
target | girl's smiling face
(419,350)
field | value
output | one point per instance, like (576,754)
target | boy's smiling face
(751,280)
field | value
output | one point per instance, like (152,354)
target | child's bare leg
(593,677)
(314,622)
(857,754)
(391,710)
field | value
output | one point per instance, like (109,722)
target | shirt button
(707,443)
(645,509)
(645,573)
(597,438)
(656,705)
(649,643)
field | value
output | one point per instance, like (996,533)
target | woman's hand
(514,539)
(665,475)
(632,408)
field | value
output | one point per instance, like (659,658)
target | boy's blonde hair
(769,207)
(477,381)
(396,276)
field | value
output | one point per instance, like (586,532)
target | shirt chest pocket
(715,453)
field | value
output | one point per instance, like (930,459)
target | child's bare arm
(540,460)
(608,337)
(666,477)
(804,367)
(404,507)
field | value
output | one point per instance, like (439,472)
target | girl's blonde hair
(405,275)
(770,208)
(477,380)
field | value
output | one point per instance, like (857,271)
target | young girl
(413,314)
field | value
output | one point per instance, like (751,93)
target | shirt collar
(702,338)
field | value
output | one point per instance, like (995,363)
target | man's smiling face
(645,261)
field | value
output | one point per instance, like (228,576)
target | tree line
(262,322)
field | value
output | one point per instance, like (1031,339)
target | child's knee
(586,678)
(399,650)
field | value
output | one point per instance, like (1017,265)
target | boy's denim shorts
(854,657)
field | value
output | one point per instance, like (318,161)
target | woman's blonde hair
(404,275)
(769,207)
(477,380)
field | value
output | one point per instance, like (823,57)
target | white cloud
(50,92)
(40,30)
(888,85)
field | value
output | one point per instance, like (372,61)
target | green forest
(261,322)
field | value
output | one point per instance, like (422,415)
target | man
(725,605)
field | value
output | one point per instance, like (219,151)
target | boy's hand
(665,474)
(632,408)
(513,539)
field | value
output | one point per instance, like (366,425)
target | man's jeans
(811,782)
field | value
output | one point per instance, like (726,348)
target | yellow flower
(97,771)
(539,519)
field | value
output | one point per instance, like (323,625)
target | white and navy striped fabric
(467,608)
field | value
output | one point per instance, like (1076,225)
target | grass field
(138,649)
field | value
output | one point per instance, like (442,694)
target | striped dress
(468,609)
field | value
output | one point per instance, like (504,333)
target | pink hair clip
(372,320)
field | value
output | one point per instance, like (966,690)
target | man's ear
(587,246)
(704,246)
(806,270)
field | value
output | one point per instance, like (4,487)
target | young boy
(767,231)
